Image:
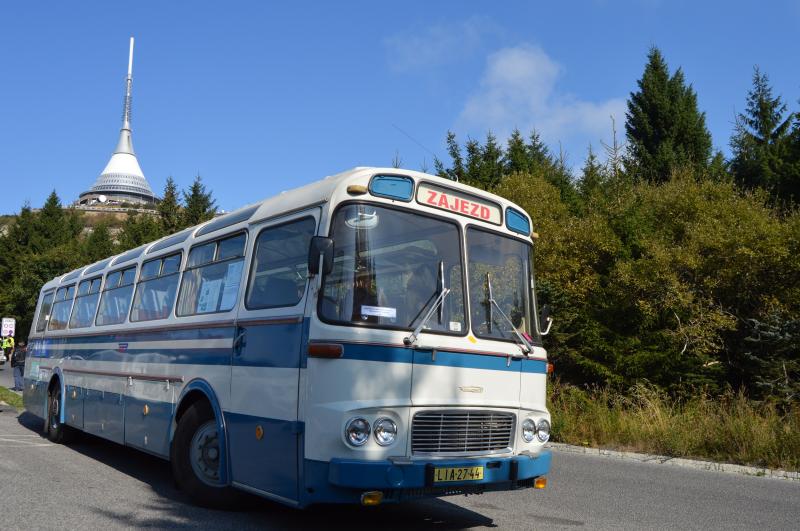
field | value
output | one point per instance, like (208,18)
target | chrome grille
(461,432)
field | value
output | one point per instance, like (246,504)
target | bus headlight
(385,431)
(357,431)
(543,430)
(528,430)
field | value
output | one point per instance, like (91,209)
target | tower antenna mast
(126,108)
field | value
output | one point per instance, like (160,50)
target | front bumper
(344,480)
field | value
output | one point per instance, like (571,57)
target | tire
(196,462)
(54,429)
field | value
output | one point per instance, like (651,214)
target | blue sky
(259,97)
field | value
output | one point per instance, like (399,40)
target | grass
(729,428)
(10,398)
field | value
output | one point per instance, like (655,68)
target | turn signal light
(550,368)
(540,483)
(374,497)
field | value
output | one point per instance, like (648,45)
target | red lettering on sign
(431,197)
(485,214)
(464,207)
(443,201)
(474,212)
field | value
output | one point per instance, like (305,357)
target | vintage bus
(371,337)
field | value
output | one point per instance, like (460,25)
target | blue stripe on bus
(467,361)
(199,333)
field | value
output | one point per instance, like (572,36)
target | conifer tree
(664,127)
(99,243)
(516,156)
(456,172)
(199,204)
(592,176)
(139,229)
(762,143)
(169,209)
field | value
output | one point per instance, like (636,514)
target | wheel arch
(199,390)
(56,379)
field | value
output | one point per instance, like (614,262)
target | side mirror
(320,247)
(545,319)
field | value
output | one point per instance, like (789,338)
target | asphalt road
(94,484)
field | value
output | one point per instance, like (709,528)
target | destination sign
(458,202)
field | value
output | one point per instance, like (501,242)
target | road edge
(727,468)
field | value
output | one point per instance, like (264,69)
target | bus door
(262,420)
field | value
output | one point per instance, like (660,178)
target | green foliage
(98,244)
(139,229)
(765,152)
(665,129)
(169,209)
(199,204)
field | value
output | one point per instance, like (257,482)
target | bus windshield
(499,268)
(389,268)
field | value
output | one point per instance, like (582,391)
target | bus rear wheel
(55,430)
(197,461)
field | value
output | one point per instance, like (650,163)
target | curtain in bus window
(60,313)
(280,268)
(210,288)
(154,298)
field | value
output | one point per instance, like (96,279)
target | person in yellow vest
(8,346)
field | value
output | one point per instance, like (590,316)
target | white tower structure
(122,179)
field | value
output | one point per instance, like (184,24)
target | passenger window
(280,265)
(60,312)
(116,298)
(209,287)
(44,311)
(155,296)
(85,304)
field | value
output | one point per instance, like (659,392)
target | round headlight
(528,430)
(385,431)
(543,430)
(357,431)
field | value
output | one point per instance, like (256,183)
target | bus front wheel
(197,461)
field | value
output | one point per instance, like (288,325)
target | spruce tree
(99,243)
(139,229)
(169,209)
(516,156)
(664,127)
(762,143)
(199,204)
(592,176)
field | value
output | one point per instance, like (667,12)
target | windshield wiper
(523,343)
(437,304)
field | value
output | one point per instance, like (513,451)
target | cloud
(437,45)
(518,89)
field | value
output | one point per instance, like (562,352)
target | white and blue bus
(371,337)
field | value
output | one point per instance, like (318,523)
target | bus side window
(44,311)
(213,273)
(156,290)
(280,265)
(116,298)
(61,308)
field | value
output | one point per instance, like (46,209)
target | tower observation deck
(122,180)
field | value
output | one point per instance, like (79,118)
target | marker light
(385,431)
(372,498)
(539,483)
(357,431)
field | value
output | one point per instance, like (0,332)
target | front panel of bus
(425,373)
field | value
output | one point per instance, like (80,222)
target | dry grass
(729,428)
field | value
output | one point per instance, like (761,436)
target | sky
(261,97)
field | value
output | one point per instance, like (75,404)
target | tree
(762,143)
(592,177)
(199,204)
(139,229)
(169,209)
(98,244)
(664,127)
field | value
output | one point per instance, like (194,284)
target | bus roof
(330,188)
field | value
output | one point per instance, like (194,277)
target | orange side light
(550,368)
(540,483)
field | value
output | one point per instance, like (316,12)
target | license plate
(467,473)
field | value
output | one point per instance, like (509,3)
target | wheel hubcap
(204,454)
(54,411)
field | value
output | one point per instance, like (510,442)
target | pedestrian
(3,356)
(8,345)
(18,365)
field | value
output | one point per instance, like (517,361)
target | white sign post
(9,326)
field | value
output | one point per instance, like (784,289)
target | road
(94,484)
